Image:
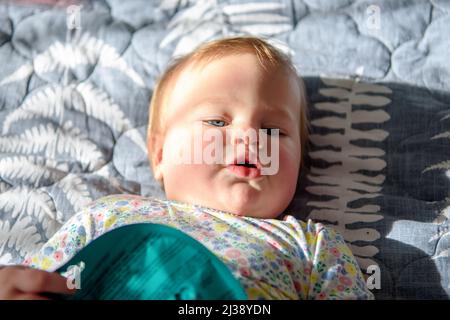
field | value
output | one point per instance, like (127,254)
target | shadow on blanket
(376,171)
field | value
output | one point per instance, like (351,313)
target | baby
(226,136)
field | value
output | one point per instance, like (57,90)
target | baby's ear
(155,150)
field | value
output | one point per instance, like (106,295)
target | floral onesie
(272,259)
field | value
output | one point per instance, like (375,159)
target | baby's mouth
(247,165)
(245,169)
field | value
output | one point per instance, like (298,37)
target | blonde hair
(268,56)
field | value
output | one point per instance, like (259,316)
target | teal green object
(149,262)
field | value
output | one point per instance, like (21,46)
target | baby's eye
(216,123)
(269,131)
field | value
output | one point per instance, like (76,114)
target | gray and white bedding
(75,83)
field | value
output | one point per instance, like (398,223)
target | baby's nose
(237,139)
(244,143)
(248,136)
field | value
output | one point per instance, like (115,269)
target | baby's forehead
(205,76)
(209,70)
(197,65)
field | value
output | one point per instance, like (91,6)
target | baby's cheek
(186,182)
(288,170)
(178,147)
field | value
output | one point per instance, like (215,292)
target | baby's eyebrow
(205,106)
(280,112)
(212,100)
(206,103)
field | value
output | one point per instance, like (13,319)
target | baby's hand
(23,283)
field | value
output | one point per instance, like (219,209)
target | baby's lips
(241,159)
(244,172)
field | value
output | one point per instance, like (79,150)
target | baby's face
(229,96)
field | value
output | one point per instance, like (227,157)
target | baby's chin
(250,203)
(258,213)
